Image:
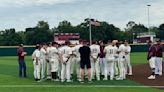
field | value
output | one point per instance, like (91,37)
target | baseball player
(158,58)
(102,58)
(36,63)
(95,67)
(77,59)
(110,54)
(48,60)
(60,64)
(127,58)
(43,53)
(151,59)
(54,61)
(121,62)
(65,53)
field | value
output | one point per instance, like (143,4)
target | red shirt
(19,53)
(102,54)
(151,52)
(159,52)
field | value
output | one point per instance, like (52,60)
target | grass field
(10,82)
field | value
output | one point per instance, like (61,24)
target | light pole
(149,17)
(133,37)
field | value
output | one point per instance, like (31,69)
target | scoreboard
(62,37)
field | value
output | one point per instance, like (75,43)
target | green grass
(9,76)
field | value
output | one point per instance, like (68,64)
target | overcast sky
(21,14)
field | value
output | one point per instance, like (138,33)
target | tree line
(42,32)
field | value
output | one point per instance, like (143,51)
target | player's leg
(101,60)
(63,72)
(48,69)
(72,59)
(35,71)
(59,70)
(103,69)
(129,64)
(97,69)
(54,69)
(116,67)
(152,66)
(121,69)
(38,70)
(111,69)
(160,66)
(158,63)
(78,68)
(44,68)
(92,68)
(106,69)
(124,69)
(82,67)
(68,71)
(41,66)
(88,65)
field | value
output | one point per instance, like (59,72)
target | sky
(21,14)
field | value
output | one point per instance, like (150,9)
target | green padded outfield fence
(12,50)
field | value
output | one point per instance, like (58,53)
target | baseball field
(10,82)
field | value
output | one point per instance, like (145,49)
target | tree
(161,28)
(39,34)
(65,27)
(10,37)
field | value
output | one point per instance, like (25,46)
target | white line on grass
(75,86)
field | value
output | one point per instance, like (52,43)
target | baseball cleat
(90,81)
(62,80)
(69,81)
(105,79)
(119,78)
(152,77)
(130,74)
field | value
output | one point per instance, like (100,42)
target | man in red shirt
(22,65)
(151,59)
(158,59)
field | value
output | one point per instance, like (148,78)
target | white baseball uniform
(110,54)
(95,67)
(76,60)
(121,62)
(35,57)
(127,59)
(65,52)
(43,62)
(48,63)
(54,61)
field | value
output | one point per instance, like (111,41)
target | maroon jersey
(102,54)
(159,52)
(151,52)
(19,53)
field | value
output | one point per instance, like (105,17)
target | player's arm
(98,52)
(61,56)
(150,53)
